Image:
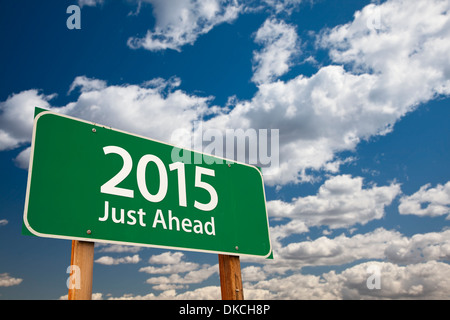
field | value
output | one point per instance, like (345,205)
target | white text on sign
(170,221)
(110,187)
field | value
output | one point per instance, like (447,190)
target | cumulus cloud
(284,6)
(181,22)
(316,117)
(409,268)
(419,248)
(7,281)
(195,276)
(16,117)
(427,201)
(87,84)
(107,260)
(412,269)
(95,296)
(204,293)
(407,51)
(280,45)
(282,231)
(181,273)
(378,244)
(155,109)
(428,280)
(3,222)
(23,158)
(89,3)
(421,281)
(377,77)
(253,273)
(416,281)
(340,202)
(326,251)
(167,258)
(171,268)
(116,248)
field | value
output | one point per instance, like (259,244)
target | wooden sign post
(230,277)
(83,260)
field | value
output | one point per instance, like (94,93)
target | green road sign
(93,183)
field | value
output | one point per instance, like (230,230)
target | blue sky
(359,91)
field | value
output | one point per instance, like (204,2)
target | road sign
(90,182)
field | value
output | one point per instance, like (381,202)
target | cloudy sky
(360,94)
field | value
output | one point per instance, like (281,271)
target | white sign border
(52,236)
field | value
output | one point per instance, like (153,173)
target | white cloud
(285,6)
(154,112)
(117,248)
(295,226)
(166,258)
(156,109)
(391,70)
(205,293)
(387,73)
(317,117)
(16,117)
(419,248)
(179,267)
(195,276)
(89,3)
(7,281)
(106,260)
(380,244)
(168,287)
(181,273)
(87,84)
(411,270)
(297,286)
(340,202)
(23,159)
(427,280)
(252,273)
(95,296)
(280,45)
(420,281)
(209,292)
(3,222)
(407,51)
(334,251)
(427,201)
(181,22)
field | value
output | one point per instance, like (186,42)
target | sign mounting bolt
(237,248)
(94,130)
(89,232)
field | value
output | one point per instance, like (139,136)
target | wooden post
(82,263)
(230,277)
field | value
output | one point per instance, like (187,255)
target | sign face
(93,183)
